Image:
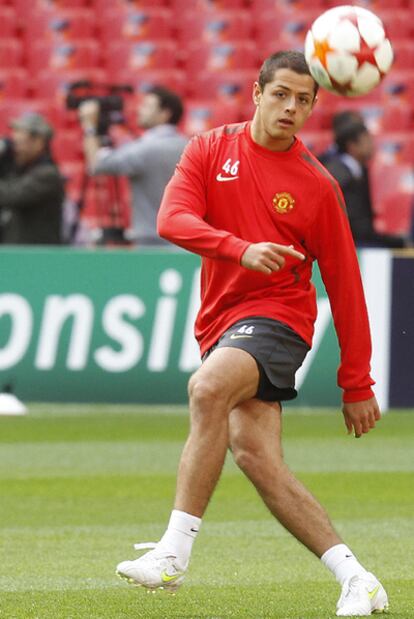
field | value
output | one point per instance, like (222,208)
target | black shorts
(278,350)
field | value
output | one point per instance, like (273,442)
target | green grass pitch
(80,484)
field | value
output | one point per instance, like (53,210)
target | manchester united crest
(283,202)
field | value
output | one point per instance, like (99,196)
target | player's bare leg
(229,376)
(255,440)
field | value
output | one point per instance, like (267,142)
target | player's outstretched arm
(360,417)
(268,257)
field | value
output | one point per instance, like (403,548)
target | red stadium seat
(205,5)
(398,22)
(374,5)
(8,22)
(213,26)
(282,8)
(11,53)
(204,115)
(291,29)
(24,7)
(394,148)
(13,108)
(67,145)
(101,5)
(220,56)
(235,85)
(398,86)
(80,54)
(54,85)
(404,54)
(316,141)
(73,172)
(140,55)
(142,81)
(393,195)
(13,83)
(135,25)
(60,25)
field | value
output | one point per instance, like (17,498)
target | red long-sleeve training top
(229,192)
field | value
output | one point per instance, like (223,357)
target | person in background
(31,187)
(339,119)
(348,163)
(149,161)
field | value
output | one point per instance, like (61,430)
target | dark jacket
(358,205)
(31,200)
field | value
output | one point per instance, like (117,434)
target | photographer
(149,161)
(31,188)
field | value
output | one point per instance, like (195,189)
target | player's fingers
(348,425)
(357,428)
(288,250)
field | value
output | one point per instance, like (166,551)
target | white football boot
(362,596)
(155,569)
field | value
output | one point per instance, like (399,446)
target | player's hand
(360,417)
(268,257)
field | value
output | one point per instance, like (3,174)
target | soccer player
(259,209)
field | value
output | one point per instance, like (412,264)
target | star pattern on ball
(322,48)
(365,54)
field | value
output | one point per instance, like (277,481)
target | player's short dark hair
(290,59)
(349,132)
(170,101)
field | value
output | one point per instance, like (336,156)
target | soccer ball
(347,50)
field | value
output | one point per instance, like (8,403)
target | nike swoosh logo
(374,592)
(167,578)
(234,336)
(222,179)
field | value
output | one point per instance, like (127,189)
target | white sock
(342,563)
(180,535)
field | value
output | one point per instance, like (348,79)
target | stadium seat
(282,8)
(142,81)
(205,5)
(403,54)
(67,145)
(393,196)
(13,83)
(102,5)
(11,53)
(235,85)
(394,148)
(24,7)
(140,55)
(79,54)
(398,22)
(214,26)
(202,115)
(374,5)
(239,54)
(398,86)
(8,22)
(14,107)
(73,173)
(60,25)
(54,84)
(292,28)
(135,25)
(316,141)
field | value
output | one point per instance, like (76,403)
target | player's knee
(205,393)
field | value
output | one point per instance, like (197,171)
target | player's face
(282,109)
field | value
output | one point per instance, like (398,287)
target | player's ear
(257,93)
